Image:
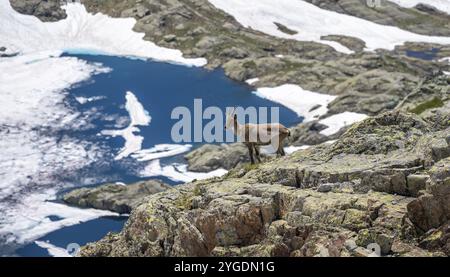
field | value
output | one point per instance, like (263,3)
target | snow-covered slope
(312,22)
(81,30)
(442,5)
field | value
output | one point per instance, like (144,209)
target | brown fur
(265,134)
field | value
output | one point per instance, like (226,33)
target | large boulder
(432,209)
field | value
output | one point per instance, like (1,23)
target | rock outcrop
(114,197)
(210,157)
(45,10)
(343,199)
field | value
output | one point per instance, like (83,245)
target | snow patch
(442,5)
(338,121)
(303,102)
(291,149)
(311,23)
(97,33)
(252,81)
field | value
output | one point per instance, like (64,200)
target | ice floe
(338,121)
(311,23)
(138,117)
(81,30)
(307,104)
(53,250)
(161,151)
(31,217)
(442,5)
(83,100)
(178,172)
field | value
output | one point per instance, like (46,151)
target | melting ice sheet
(32,155)
(81,30)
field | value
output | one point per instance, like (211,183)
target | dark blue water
(424,55)
(159,87)
(81,234)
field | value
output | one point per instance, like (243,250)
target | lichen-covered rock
(236,218)
(114,197)
(432,209)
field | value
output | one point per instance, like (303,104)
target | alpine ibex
(255,135)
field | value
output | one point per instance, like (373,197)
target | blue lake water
(159,87)
(80,234)
(424,55)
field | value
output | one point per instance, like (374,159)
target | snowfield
(338,121)
(311,22)
(307,104)
(81,30)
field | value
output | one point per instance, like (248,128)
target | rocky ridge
(385,181)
